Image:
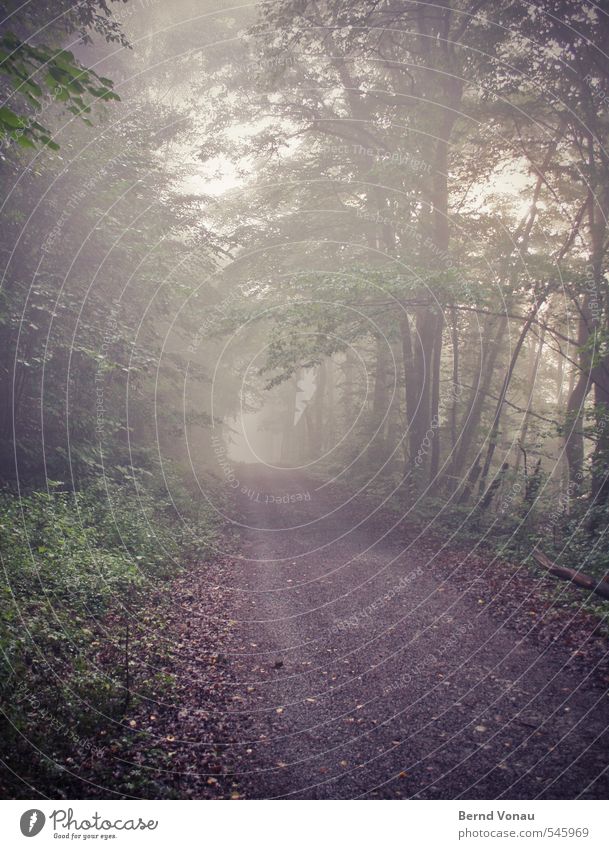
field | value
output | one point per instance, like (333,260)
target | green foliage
(41,74)
(77,568)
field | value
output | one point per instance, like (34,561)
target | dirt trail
(358,671)
(336,657)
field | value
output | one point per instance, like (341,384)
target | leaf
(66,60)
(8,117)
(49,143)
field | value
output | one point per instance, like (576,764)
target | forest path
(358,670)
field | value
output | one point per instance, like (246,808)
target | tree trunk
(574,419)
(472,415)
(435,410)
(456,388)
(535,361)
(411,388)
(504,388)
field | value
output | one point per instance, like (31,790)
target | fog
(304,324)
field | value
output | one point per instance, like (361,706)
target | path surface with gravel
(362,667)
(331,655)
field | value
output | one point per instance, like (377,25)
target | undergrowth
(81,598)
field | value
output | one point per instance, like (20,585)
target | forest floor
(333,656)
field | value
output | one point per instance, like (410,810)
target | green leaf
(8,117)
(48,142)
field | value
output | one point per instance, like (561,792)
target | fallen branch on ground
(579,578)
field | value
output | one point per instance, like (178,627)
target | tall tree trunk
(446,89)
(456,388)
(535,361)
(574,419)
(411,388)
(600,460)
(288,441)
(494,435)
(330,423)
(379,396)
(494,334)
(348,387)
(318,409)
(435,410)
(427,332)
(600,372)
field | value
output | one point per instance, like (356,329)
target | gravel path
(359,669)
(330,656)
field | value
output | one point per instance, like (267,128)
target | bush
(76,568)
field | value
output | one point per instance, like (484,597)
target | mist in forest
(304,323)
